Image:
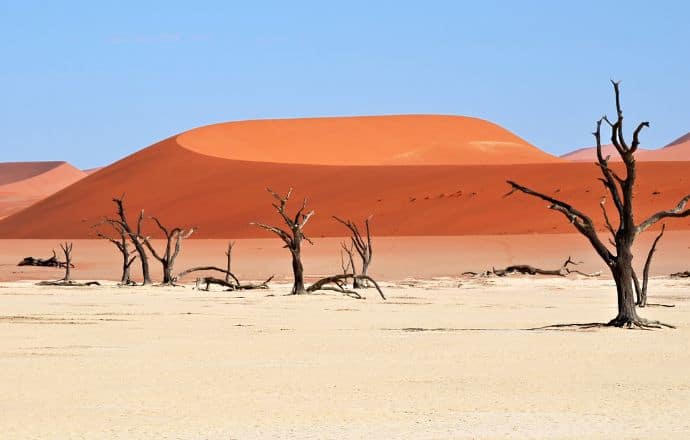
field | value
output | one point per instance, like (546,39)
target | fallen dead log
(526,269)
(208,281)
(44,262)
(63,283)
(685,274)
(337,283)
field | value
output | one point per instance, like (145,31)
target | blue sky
(90,82)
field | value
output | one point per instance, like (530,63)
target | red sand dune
(221,196)
(367,140)
(24,183)
(589,154)
(678,150)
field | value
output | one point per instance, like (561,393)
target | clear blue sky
(90,82)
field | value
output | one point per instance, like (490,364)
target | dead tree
(293,236)
(228,254)
(620,189)
(135,236)
(362,246)
(173,245)
(121,243)
(67,250)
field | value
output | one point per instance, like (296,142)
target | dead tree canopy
(292,236)
(121,242)
(173,245)
(134,235)
(362,245)
(620,188)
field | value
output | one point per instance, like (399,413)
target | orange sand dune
(368,140)
(675,151)
(589,154)
(27,182)
(221,196)
(678,150)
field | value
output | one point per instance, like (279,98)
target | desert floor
(442,358)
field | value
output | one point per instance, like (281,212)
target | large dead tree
(121,242)
(363,247)
(620,188)
(134,235)
(173,246)
(293,236)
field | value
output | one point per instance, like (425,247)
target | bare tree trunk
(228,254)
(135,237)
(297,271)
(67,249)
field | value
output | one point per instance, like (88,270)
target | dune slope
(366,140)
(222,196)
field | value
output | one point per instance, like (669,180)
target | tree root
(230,286)
(338,280)
(639,323)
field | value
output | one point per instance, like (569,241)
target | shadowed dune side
(365,140)
(221,196)
(30,182)
(17,171)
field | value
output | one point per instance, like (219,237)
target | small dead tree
(228,254)
(134,235)
(67,250)
(173,246)
(121,242)
(293,236)
(362,246)
(620,188)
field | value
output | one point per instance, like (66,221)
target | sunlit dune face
(369,140)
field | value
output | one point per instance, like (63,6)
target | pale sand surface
(176,363)
(395,258)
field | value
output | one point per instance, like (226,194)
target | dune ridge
(365,140)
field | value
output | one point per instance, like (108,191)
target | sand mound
(221,196)
(369,140)
(27,182)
